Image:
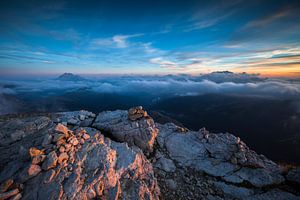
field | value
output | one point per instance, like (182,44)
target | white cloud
(163,63)
(120,40)
(116,41)
(166,85)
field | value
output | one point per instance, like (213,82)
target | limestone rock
(86,136)
(5,185)
(33,152)
(33,170)
(99,169)
(294,175)
(47,140)
(165,164)
(16,197)
(9,194)
(50,161)
(76,118)
(102,169)
(221,156)
(60,128)
(49,175)
(73,141)
(38,159)
(73,121)
(141,133)
(107,161)
(136,113)
(62,157)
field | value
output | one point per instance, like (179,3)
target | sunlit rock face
(125,155)
(75,164)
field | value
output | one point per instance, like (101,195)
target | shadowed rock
(141,132)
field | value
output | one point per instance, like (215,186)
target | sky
(150,37)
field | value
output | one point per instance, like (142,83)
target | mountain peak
(70,77)
(114,153)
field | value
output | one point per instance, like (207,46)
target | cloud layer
(220,82)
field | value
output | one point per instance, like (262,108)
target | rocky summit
(126,155)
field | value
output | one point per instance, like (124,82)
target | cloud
(271,18)
(225,83)
(163,63)
(279,25)
(117,41)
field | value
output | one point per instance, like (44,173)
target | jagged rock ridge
(126,155)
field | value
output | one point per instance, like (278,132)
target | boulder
(33,152)
(60,128)
(140,133)
(136,113)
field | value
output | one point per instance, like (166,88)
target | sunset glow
(182,37)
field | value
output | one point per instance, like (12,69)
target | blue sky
(149,37)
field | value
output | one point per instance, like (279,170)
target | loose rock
(34,170)
(50,161)
(35,152)
(9,194)
(38,159)
(5,185)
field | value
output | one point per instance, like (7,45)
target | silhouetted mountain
(70,77)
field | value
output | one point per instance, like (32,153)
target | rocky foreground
(126,155)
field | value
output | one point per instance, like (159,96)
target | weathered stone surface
(62,157)
(16,129)
(234,191)
(141,133)
(221,156)
(165,164)
(9,194)
(294,175)
(60,128)
(86,136)
(49,175)
(16,197)
(171,184)
(33,152)
(38,159)
(73,141)
(182,164)
(33,170)
(73,121)
(76,118)
(212,154)
(274,194)
(50,161)
(5,185)
(136,113)
(47,140)
(101,169)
